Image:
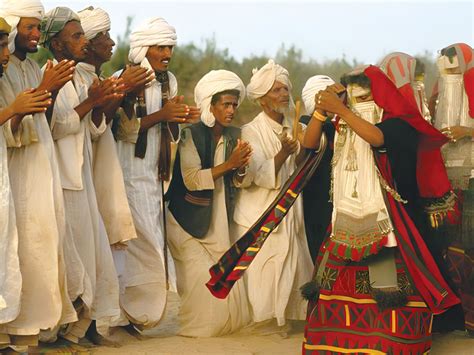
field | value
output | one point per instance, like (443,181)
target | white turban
(314,85)
(13,10)
(263,79)
(212,83)
(94,21)
(154,32)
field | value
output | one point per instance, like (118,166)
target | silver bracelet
(239,174)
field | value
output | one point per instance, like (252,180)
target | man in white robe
(107,173)
(35,182)
(148,118)
(76,121)
(198,234)
(10,276)
(283,263)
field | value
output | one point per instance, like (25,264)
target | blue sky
(365,30)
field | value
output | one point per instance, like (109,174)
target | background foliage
(190,62)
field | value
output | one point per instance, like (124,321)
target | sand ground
(163,340)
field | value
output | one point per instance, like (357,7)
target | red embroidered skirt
(346,318)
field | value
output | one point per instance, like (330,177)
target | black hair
(216,97)
(358,79)
(449,52)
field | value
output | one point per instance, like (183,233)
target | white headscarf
(263,79)
(314,85)
(154,32)
(13,10)
(94,21)
(212,83)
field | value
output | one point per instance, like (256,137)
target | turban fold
(5,28)
(94,21)
(263,79)
(154,32)
(314,85)
(13,10)
(54,22)
(212,83)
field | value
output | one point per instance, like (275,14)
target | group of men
(90,241)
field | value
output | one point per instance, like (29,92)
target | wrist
(318,116)
(229,166)
(90,103)
(10,112)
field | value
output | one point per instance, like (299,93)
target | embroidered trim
(199,201)
(390,190)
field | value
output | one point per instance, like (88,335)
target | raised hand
(336,88)
(240,156)
(456,133)
(56,76)
(177,112)
(288,144)
(135,78)
(101,93)
(31,101)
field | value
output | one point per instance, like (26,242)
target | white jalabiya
(107,174)
(314,85)
(143,295)
(73,137)
(10,276)
(94,21)
(357,191)
(37,193)
(153,32)
(212,83)
(13,10)
(201,314)
(284,263)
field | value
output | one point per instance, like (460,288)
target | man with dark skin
(111,194)
(272,279)
(27,102)
(147,125)
(198,234)
(34,178)
(77,120)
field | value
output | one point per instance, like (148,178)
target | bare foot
(130,328)
(97,339)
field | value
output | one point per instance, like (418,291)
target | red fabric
(469,87)
(466,52)
(431,285)
(400,103)
(344,325)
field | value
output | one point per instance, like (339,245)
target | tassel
(352,154)
(164,160)
(310,291)
(387,298)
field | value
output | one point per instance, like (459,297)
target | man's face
(102,45)
(159,57)
(4,53)
(72,41)
(278,98)
(224,109)
(28,35)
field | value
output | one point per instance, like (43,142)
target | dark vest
(193,209)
